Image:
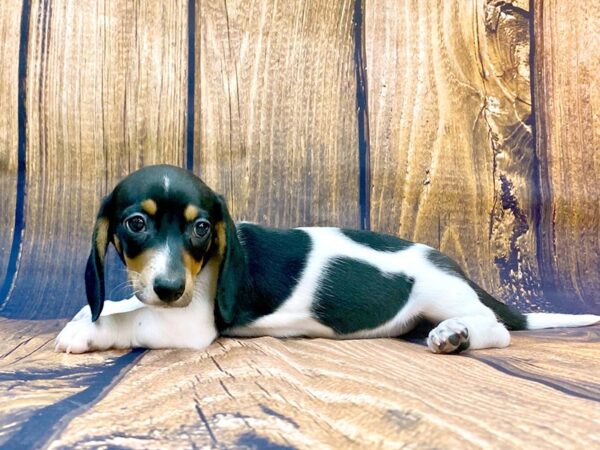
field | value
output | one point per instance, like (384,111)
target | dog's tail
(539,321)
(512,318)
(515,320)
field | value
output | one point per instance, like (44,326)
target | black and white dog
(196,275)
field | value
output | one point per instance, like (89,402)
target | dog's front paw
(80,336)
(450,336)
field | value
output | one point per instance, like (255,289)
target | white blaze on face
(159,263)
(157,267)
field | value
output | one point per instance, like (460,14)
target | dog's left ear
(233,270)
(94,271)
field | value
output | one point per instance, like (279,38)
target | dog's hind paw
(450,336)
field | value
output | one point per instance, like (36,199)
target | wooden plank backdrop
(92,70)
(9,90)
(277,117)
(451,139)
(567,102)
(414,118)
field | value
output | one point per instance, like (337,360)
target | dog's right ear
(94,271)
(232,278)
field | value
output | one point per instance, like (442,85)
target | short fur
(197,275)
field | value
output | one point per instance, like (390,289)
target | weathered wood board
(10,15)
(540,393)
(41,391)
(276,115)
(567,105)
(452,159)
(105,83)
(450,135)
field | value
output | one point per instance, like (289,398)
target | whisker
(123,283)
(120,288)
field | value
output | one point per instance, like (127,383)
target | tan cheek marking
(221,237)
(149,206)
(140,262)
(101,237)
(192,265)
(190,213)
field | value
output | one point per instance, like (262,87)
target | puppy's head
(166,224)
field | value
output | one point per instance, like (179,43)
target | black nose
(169,289)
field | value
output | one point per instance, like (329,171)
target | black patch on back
(276,259)
(354,296)
(513,320)
(377,241)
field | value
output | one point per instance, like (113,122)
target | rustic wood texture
(451,148)
(40,389)
(10,14)
(106,89)
(567,92)
(276,110)
(275,124)
(552,364)
(542,392)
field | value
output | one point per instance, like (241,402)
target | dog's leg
(467,332)
(110,307)
(190,327)
(463,321)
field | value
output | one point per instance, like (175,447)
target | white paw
(449,336)
(79,336)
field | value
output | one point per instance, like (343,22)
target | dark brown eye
(201,228)
(136,223)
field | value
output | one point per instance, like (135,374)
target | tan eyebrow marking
(149,206)
(190,213)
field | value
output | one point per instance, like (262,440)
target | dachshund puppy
(197,275)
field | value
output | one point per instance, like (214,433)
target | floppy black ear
(233,274)
(94,271)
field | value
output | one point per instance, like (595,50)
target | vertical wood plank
(451,146)
(106,92)
(10,14)
(567,102)
(276,110)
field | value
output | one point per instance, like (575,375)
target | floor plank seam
(530,377)
(46,424)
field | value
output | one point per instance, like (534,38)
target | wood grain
(106,91)
(10,14)
(451,148)
(567,102)
(34,380)
(353,394)
(276,110)
(547,357)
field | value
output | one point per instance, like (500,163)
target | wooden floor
(542,392)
